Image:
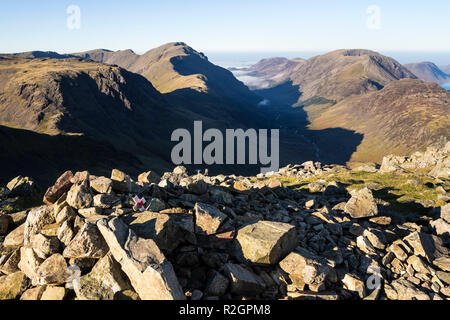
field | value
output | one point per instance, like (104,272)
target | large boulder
(53,271)
(36,220)
(29,263)
(392,163)
(22,187)
(101,185)
(149,177)
(221,196)
(443,263)
(33,294)
(266,242)
(13,285)
(61,186)
(362,204)
(44,246)
(121,182)
(15,238)
(103,282)
(208,219)
(80,196)
(426,245)
(54,293)
(11,264)
(66,213)
(441,227)
(402,289)
(354,284)
(106,201)
(156,205)
(162,228)
(150,273)
(66,233)
(304,267)
(441,169)
(243,282)
(185,224)
(88,243)
(195,186)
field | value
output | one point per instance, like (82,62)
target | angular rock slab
(80,196)
(103,282)
(208,219)
(53,271)
(149,177)
(36,220)
(101,185)
(54,293)
(217,284)
(305,267)
(150,273)
(13,285)
(88,243)
(11,264)
(44,246)
(266,242)
(402,289)
(61,186)
(29,263)
(362,204)
(443,263)
(159,227)
(121,182)
(427,245)
(15,238)
(354,284)
(243,282)
(33,294)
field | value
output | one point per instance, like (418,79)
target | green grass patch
(393,188)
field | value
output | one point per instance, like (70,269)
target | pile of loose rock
(436,157)
(222,237)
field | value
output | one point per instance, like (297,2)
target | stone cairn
(219,238)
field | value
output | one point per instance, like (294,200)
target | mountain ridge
(429,72)
(403,116)
(336,75)
(73,95)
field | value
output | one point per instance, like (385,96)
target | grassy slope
(404,117)
(391,187)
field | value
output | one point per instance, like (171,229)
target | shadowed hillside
(76,113)
(44,157)
(406,115)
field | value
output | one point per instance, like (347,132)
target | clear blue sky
(231,25)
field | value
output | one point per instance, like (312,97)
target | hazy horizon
(229,59)
(249,58)
(249,26)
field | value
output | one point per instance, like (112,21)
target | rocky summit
(307,232)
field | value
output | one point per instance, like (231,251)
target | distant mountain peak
(354,52)
(428,71)
(335,75)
